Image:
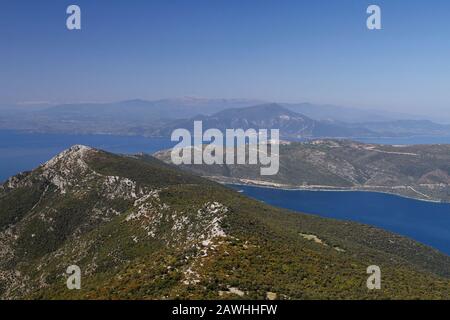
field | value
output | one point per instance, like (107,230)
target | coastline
(325,189)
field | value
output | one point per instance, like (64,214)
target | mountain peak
(71,158)
(273,107)
(77,150)
(260,110)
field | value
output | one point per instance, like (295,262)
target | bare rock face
(65,169)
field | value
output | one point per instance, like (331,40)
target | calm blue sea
(25,151)
(427,222)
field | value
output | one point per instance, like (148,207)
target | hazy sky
(317,50)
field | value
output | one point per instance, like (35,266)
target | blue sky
(280,50)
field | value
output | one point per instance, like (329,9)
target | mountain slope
(405,128)
(132,117)
(139,228)
(347,114)
(160,117)
(267,116)
(421,171)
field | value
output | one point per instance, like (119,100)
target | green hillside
(141,229)
(420,171)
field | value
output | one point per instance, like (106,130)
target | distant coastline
(325,189)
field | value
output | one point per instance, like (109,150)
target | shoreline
(328,189)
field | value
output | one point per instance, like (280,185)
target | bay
(426,222)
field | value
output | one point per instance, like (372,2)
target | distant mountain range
(157,118)
(402,128)
(140,229)
(421,172)
(132,117)
(269,116)
(159,109)
(346,114)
